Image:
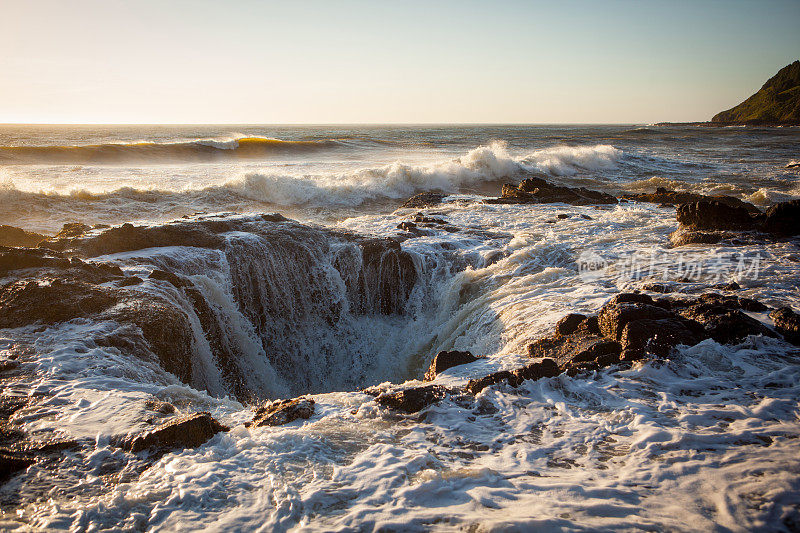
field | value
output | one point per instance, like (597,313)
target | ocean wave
(192,151)
(480,170)
(570,160)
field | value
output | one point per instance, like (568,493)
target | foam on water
(706,439)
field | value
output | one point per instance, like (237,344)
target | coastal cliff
(776,103)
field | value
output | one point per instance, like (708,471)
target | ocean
(705,439)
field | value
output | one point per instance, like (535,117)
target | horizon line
(339,123)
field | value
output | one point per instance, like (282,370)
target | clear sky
(174,61)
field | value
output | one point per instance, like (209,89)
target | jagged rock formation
(279,412)
(629,327)
(776,103)
(185,432)
(711,222)
(535,190)
(11,236)
(286,281)
(447,359)
(666,196)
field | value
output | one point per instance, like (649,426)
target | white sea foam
(570,160)
(705,440)
(711,432)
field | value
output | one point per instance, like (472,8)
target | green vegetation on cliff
(776,103)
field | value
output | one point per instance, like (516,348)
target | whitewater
(705,439)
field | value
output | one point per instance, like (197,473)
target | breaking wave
(193,151)
(570,160)
(479,171)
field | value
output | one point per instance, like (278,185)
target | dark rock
(125,238)
(420,218)
(613,316)
(13,462)
(11,236)
(630,297)
(656,336)
(171,278)
(536,190)
(71,230)
(279,412)
(165,328)
(667,197)
(129,281)
(787,322)
(683,237)
(408,226)
(783,219)
(186,432)
(714,216)
(50,300)
(748,304)
(447,359)
(543,369)
(12,259)
(569,324)
(732,286)
(474,386)
(412,399)
(562,216)
(577,347)
(424,199)
(658,287)
(723,324)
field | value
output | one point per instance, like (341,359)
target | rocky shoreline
(49,280)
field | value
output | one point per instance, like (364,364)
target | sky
(262,62)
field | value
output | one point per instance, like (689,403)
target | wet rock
(714,216)
(783,219)
(12,236)
(684,238)
(748,304)
(569,324)
(670,197)
(171,278)
(412,399)
(165,328)
(535,190)
(578,347)
(386,278)
(279,412)
(424,199)
(542,369)
(128,237)
(630,297)
(732,286)
(13,462)
(163,408)
(408,226)
(562,216)
(613,316)
(656,336)
(787,322)
(71,230)
(186,432)
(12,259)
(421,218)
(721,318)
(447,359)
(50,300)
(129,281)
